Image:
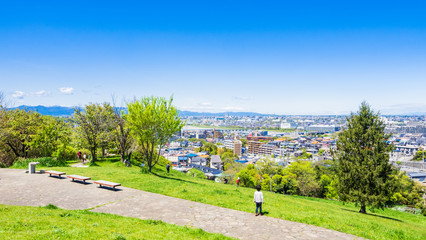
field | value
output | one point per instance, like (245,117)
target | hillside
(377,224)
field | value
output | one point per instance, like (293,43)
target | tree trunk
(94,158)
(362,210)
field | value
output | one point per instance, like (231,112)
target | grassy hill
(380,224)
(17,222)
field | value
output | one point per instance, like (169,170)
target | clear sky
(282,57)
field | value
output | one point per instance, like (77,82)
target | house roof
(416,174)
(198,159)
(216,159)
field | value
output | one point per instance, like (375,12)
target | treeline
(143,130)
(320,180)
(360,171)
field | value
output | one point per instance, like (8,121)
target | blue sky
(283,57)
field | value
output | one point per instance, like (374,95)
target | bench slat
(106,183)
(78,177)
(55,172)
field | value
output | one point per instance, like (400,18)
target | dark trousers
(259,206)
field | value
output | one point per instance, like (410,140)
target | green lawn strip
(380,224)
(17,222)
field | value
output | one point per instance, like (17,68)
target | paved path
(18,188)
(80,164)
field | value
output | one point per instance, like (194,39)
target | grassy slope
(18,222)
(381,224)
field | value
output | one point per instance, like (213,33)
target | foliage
(209,147)
(153,121)
(305,155)
(249,176)
(17,130)
(95,126)
(267,165)
(197,173)
(65,153)
(26,134)
(305,179)
(419,156)
(122,135)
(52,135)
(364,170)
(44,162)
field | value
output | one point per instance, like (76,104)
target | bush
(65,153)
(197,173)
(44,162)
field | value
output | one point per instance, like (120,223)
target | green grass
(50,222)
(380,224)
(44,162)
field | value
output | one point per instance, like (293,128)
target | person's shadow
(265,212)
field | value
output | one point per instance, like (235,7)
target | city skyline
(274,58)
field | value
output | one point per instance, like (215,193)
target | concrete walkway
(19,188)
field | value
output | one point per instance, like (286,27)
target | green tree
(210,147)
(50,135)
(153,121)
(306,182)
(17,130)
(249,176)
(267,165)
(364,170)
(95,125)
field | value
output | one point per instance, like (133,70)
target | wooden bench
(79,178)
(56,173)
(106,183)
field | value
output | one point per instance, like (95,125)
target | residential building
(217,134)
(199,161)
(322,129)
(234,145)
(267,149)
(253,147)
(216,162)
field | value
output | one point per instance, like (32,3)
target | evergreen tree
(362,153)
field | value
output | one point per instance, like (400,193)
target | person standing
(84,157)
(168,168)
(79,155)
(238,181)
(258,199)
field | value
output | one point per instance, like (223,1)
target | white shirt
(258,196)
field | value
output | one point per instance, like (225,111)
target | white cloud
(243,98)
(66,90)
(206,104)
(233,109)
(40,93)
(18,94)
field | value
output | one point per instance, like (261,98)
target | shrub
(197,173)
(44,162)
(65,153)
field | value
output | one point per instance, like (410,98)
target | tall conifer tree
(363,160)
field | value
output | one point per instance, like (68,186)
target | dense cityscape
(287,138)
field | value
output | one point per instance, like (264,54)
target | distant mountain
(61,111)
(57,111)
(221,114)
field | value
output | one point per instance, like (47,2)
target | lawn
(380,224)
(17,222)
